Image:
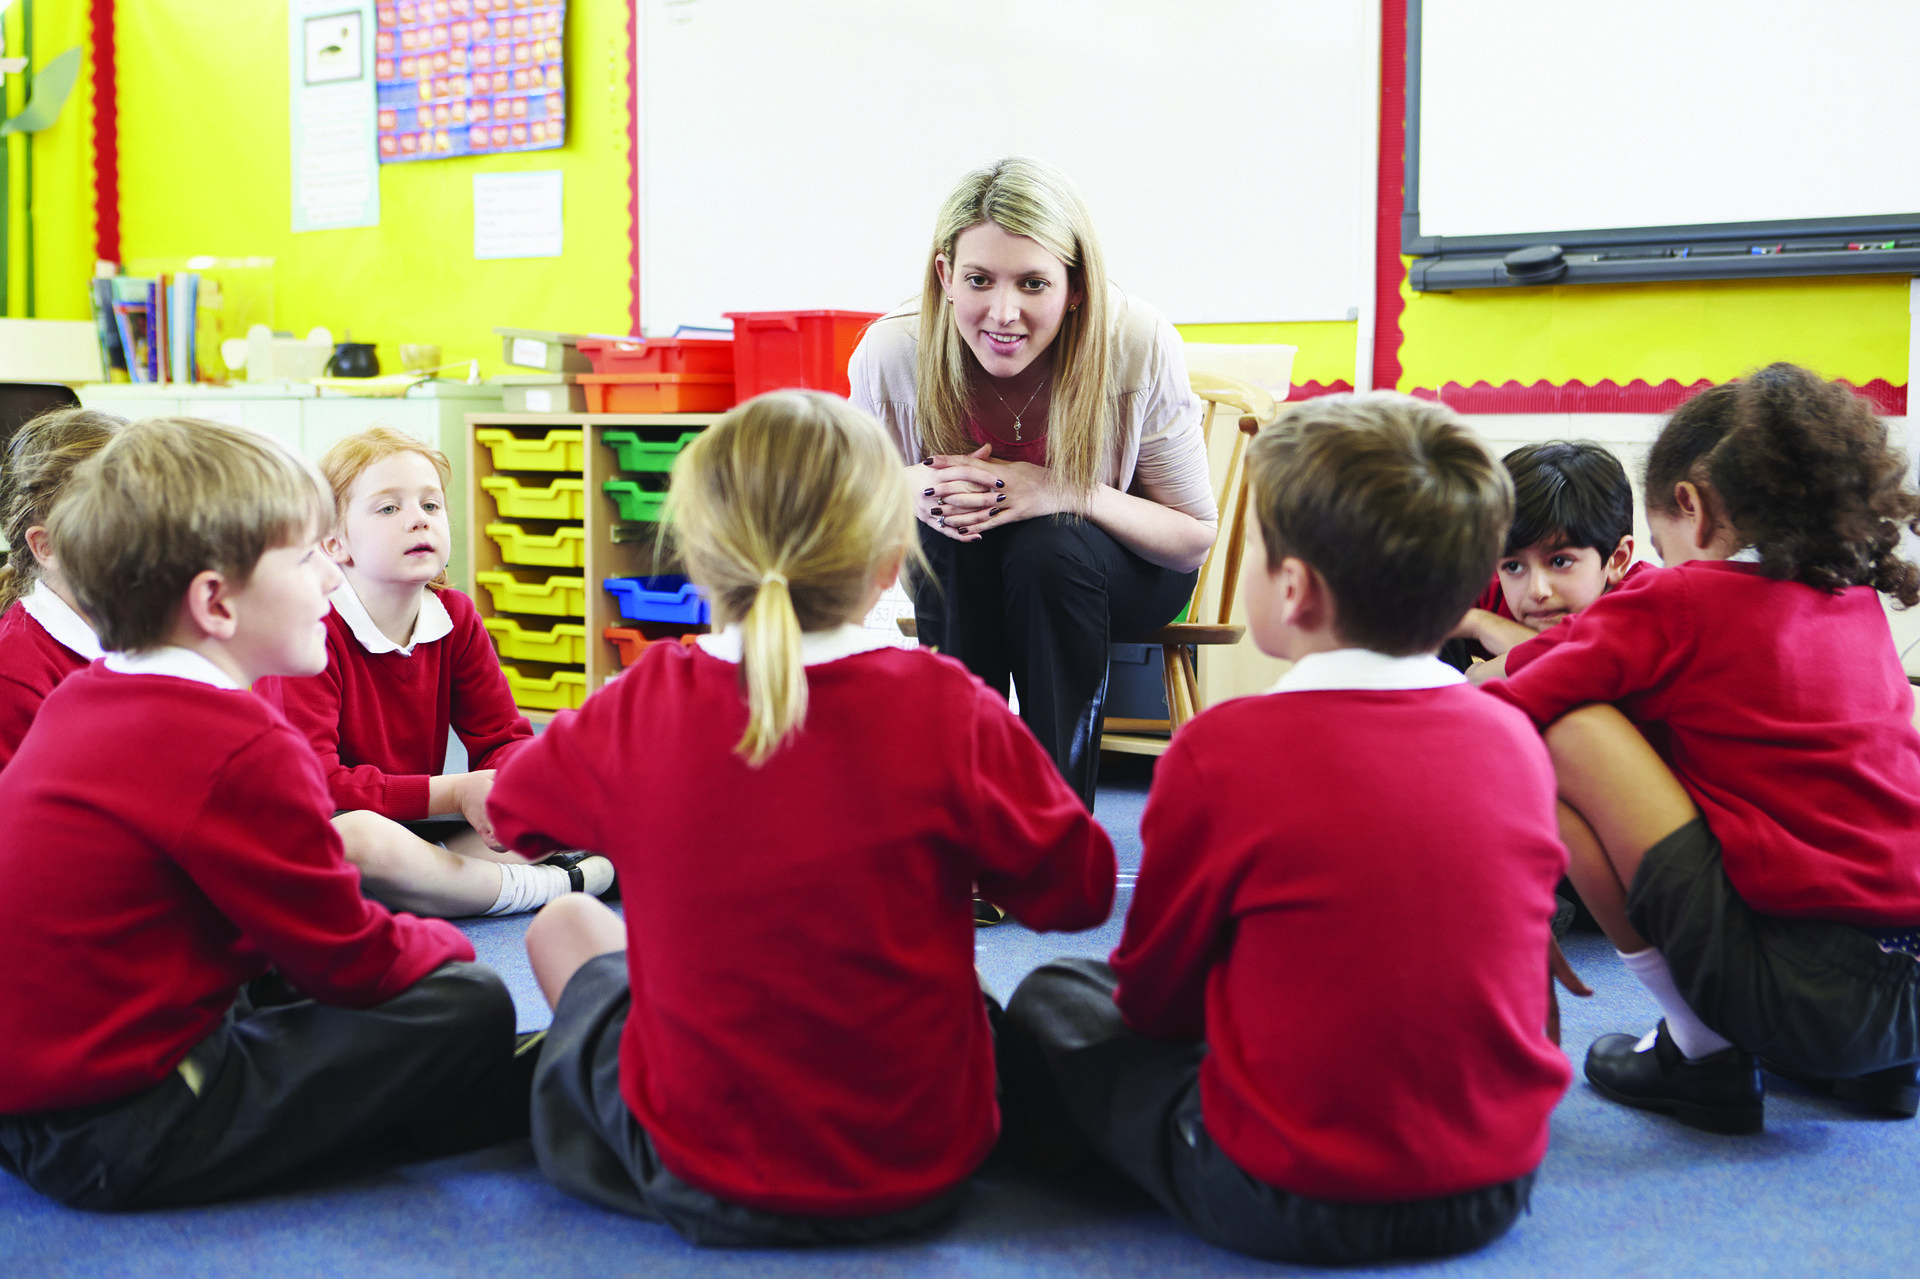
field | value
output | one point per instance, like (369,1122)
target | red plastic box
(773,350)
(657,392)
(659,355)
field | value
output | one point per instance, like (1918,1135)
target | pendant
(1016,429)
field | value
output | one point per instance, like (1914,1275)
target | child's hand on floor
(1560,973)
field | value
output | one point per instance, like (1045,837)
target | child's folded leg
(405,872)
(275,1089)
(1136,1102)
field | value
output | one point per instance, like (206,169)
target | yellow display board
(204,170)
(1850,327)
(1325,359)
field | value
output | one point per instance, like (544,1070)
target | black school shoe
(1720,1092)
(985,913)
(1894,1091)
(577,874)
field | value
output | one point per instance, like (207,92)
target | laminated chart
(469,77)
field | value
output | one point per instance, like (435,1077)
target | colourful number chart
(469,77)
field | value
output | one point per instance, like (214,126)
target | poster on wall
(336,178)
(469,77)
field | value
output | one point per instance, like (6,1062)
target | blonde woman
(1053,448)
(745,1071)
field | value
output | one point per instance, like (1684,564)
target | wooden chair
(1254,408)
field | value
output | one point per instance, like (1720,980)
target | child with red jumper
(43,638)
(139,1069)
(1261,1056)
(1735,740)
(407,659)
(742,1070)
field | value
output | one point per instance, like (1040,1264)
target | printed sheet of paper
(518,215)
(336,171)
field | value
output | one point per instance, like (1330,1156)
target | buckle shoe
(1719,1093)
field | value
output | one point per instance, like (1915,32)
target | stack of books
(147,325)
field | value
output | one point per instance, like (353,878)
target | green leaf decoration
(51,85)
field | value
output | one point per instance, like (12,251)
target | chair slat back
(1253,406)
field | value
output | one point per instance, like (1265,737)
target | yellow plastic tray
(566,642)
(565,691)
(560,500)
(564,548)
(563,449)
(555,597)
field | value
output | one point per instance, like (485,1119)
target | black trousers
(1039,601)
(281,1086)
(1067,1058)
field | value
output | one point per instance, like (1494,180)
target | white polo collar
(61,622)
(1362,668)
(816,647)
(180,663)
(433,623)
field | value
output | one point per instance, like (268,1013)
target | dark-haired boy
(1571,541)
(1323,1034)
(138,1069)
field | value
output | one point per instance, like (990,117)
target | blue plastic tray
(659,599)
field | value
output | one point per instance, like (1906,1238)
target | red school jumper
(1783,711)
(33,660)
(807,1033)
(210,861)
(1359,935)
(379,721)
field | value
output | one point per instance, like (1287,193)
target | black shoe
(583,868)
(1720,1092)
(1894,1091)
(1563,914)
(985,913)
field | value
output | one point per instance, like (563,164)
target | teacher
(1054,449)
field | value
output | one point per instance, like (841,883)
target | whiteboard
(794,153)
(1538,119)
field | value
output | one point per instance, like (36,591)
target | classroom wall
(203,112)
(205,169)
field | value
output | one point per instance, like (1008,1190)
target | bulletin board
(794,156)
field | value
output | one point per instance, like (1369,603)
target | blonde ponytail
(786,510)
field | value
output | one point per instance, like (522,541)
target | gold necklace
(1024,407)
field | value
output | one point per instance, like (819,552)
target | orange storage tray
(657,392)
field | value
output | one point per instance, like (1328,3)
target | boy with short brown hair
(1323,1034)
(140,1070)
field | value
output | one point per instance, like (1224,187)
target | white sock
(524,887)
(1690,1034)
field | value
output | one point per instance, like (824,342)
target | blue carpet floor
(1824,1190)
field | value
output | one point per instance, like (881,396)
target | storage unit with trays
(561,503)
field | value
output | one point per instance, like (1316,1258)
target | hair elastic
(771,576)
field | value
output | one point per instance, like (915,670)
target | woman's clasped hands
(963,495)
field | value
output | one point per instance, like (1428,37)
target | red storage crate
(657,392)
(659,355)
(773,350)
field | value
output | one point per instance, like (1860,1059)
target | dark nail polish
(926,461)
(999,484)
(937,511)
(926,492)
(1001,498)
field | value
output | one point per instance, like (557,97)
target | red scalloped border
(1310,390)
(1608,396)
(106,137)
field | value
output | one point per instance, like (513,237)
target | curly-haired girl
(1738,766)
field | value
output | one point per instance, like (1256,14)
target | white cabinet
(310,420)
